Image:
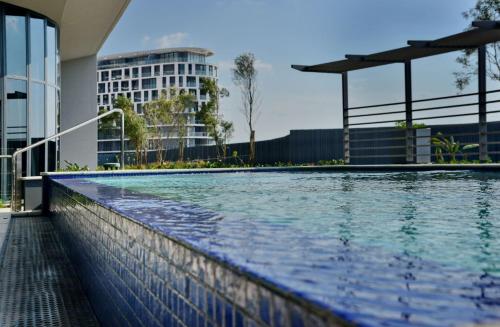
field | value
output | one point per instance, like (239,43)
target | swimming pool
(376,248)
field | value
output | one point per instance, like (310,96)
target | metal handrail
(15,202)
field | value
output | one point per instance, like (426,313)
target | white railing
(16,200)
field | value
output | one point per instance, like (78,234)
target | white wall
(78,104)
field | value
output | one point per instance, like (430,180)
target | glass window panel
(51,54)
(51,111)
(37,113)
(37,126)
(16,114)
(37,49)
(15,39)
(146,71)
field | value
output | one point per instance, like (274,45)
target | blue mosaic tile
(228,315)
(219,308)
(239,319)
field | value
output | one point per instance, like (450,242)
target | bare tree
(245,77)
(483,10)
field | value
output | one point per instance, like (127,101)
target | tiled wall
(137,276)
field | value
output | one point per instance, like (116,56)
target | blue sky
(285,32)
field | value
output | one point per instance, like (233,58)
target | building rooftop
(200,51)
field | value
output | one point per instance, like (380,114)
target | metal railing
(16,201)
(371,137)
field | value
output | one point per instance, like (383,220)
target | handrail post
(15,197)
(482,112)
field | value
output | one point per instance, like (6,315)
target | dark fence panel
(307,146)
(311,146)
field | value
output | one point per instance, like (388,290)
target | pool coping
(392,167)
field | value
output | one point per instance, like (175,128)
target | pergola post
(483,129)
(345,115)
(409,114)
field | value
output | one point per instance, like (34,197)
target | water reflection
(483,223)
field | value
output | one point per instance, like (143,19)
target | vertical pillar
(345,115)
(410,144)
(481,76)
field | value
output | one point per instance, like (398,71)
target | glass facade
(29,100)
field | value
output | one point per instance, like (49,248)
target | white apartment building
(142,76)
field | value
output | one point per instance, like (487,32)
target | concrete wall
(78,104)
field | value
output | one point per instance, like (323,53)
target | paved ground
(38,285)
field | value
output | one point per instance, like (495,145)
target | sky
(285,32)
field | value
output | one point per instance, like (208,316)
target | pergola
(477,37)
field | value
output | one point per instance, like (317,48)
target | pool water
(380,248)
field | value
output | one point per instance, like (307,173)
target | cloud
(166,41)
(261,65)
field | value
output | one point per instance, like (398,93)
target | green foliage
(181,101)
(201,164)
(217,128)
(449,146)
(333,162)
(402,125)
(158,112)
(135,126)
(72,166)
(482,10)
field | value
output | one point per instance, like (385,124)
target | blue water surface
(382,249)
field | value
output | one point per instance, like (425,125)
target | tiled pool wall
(135,275)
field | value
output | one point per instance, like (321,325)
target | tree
(245,77)
(158,113)
(483,10)
(217,128)
(181,101)
(135,127)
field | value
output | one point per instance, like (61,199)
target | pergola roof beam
(483,32)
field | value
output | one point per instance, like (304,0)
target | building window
(172,81)
(135,84)
(51,53)
(203,95)
(190,69)
(105,99)
(146,71)
(15,113)
(191,81)
(164,82)
(116,74)
(135,72)
(37,49)
(211,70)
(146,96)
(168,69)
(101,88)
(157,70)
(201,69)
(149,83)
(115,86)
(137,96)
(15,38)
(104,76)
(138,108)
(154,95)
(126,73)
(124,86)
(181,69)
